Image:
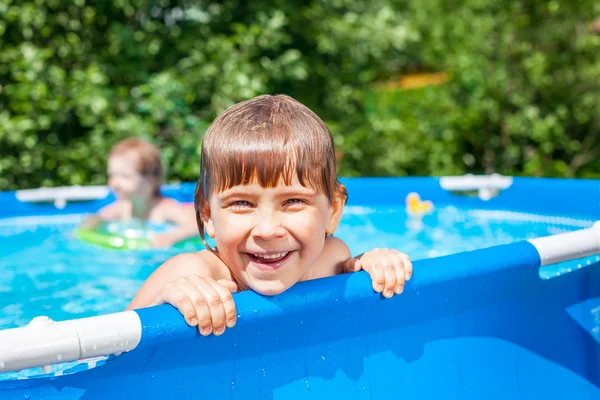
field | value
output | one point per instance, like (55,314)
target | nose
(267,226)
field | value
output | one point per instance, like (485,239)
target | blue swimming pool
(486,323)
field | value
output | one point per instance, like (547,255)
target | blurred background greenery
(515,86)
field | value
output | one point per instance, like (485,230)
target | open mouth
(273,260)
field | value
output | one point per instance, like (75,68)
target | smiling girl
(269,196)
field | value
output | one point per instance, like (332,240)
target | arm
(184,219)
(91,222)
(110,212)
(189,283)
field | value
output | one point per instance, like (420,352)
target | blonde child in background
(269,196)
(135,175)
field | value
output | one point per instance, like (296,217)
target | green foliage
(524,97)
(77,76)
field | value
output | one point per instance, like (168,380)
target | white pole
(484,184)
(61,195)
(43,341)
(568,246)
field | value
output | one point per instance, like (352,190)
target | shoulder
(202,263)
(171,209)
(337,248)
(171,204)
(331,260)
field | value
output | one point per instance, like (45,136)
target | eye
(240,204)
(294,202)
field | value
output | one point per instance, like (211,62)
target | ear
(336,210)
(207,221)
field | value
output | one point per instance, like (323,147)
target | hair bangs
(268,162)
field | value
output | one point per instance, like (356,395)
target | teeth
(271,256)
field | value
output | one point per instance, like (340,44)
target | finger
(197,289)
(230,285)
(390,279)
(400,274)
(228,306)
(378,278)
(172,294)
(352,265)
(408,267)
(215,305)
(216,320)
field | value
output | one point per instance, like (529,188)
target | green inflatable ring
(121,242)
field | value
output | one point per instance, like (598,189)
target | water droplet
(232,385)
(307,385)
(301,322)
(26,397)
(304,297)
(578,266)
(323,358)
(264,372)
(59,357)
(233,344)
(257,333)
(588,262)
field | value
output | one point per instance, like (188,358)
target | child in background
(135,175)
(269,196)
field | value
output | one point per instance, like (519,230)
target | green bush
(77,76)
(523,99)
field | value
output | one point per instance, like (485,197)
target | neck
(141,207)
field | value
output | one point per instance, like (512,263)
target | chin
(270,288)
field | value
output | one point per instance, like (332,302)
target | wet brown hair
(267,138)
(147,158)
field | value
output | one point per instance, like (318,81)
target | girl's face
(270,237)
(125,180)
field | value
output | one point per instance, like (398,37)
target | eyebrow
(299,192)
(232,193)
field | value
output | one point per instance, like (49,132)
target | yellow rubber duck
(417,207)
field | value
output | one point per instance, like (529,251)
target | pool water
(45,270)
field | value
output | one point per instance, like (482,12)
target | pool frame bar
(478,324)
